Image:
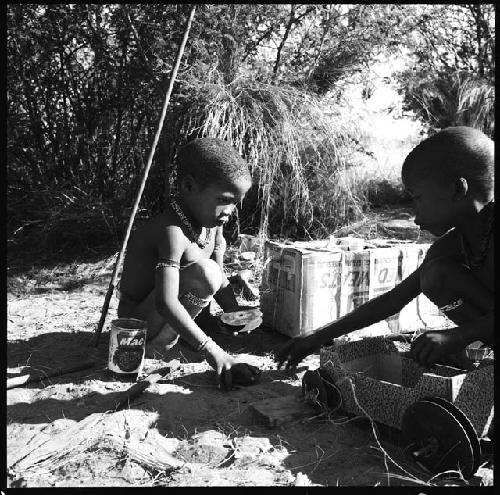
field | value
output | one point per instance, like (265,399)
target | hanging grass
(296,152)
(458,98)
(476,105)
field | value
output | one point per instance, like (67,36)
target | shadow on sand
(327,449)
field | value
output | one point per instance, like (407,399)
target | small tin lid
(129,324)
(242,317)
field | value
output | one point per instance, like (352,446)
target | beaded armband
(219,248)
(195,300)
(453,305)
(202,346)
(168,263)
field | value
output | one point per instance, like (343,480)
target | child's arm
(367,314)
(225,296)
(431,346)
(478,329)
(171,248)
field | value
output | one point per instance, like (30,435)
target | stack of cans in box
(307,285)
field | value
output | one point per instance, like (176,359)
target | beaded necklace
(193,236)
(477,261)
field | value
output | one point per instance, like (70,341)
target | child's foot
(161,343)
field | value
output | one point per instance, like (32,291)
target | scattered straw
(372,422)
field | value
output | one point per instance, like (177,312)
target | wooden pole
(119,261)
(19,381)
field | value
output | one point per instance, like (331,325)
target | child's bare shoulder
(448,245)
(167,225)
(161,228)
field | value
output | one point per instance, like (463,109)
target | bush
(297,153)
(451,99)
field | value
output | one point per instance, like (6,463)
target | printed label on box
(300,288)
(321,282)
(384,270)
(355,280)
(305,286)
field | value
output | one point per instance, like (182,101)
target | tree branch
(283,41)
(293,20)
(256,43)
(142,53)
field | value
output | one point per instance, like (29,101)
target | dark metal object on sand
(318,387)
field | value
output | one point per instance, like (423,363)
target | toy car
(444,413)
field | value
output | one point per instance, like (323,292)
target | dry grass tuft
(476,105)
(298,154)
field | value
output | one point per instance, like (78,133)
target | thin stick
(18,381)
(135,390)
(118,263)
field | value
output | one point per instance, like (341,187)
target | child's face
(433,204)
(213,204)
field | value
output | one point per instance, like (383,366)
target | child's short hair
(210,160)
(455,152)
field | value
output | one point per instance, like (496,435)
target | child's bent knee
(206,278)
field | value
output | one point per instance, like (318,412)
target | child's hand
(221,362)
(228,371)
(431,346)
(295,351)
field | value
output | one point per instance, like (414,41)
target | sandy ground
(182,431)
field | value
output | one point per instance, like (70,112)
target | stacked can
(127,345)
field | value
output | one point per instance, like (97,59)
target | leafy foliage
(85,83)
(451,80)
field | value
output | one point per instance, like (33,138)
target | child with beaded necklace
(450,178)
(173,265)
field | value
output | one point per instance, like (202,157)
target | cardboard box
(300,287)
(306,285)
(376,379)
